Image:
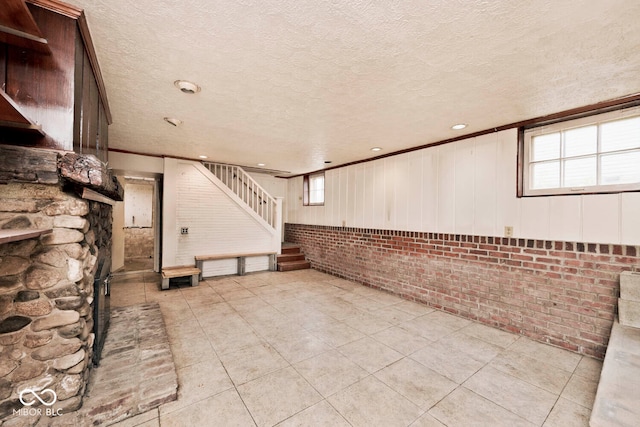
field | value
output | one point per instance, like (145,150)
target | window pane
(620,135)
(623,168)
(545,175)
(581,141)
(316,193)
(545,147)
(580,172)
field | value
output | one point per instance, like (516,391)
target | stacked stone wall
(46,295)
(138,242)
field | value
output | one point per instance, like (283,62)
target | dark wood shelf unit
(18,28)
(11,117)
(57,100)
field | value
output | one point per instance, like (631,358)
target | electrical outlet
(184,230)
(344,223)
(508,231)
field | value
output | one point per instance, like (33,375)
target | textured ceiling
(293,83)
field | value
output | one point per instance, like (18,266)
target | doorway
(141,224)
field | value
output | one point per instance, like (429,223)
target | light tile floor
(304,348)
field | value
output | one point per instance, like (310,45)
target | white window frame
(567,125)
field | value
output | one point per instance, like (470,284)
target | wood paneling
(90,105)
(3,65)
(43,85)
(60,92)
(58,7)
(467,187)
(103,134)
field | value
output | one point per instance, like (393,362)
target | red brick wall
(561,293)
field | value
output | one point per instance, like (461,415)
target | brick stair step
(293,265)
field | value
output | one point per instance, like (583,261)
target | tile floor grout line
(308,300)
(233,384)
(518,379)
(496,403)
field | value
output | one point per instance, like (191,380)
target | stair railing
(247,189)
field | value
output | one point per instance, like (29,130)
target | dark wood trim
(520,165)
(58,7)
(574,113)
(161,156)
(590,110)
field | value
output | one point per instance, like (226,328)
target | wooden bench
(180,271)
(241,257)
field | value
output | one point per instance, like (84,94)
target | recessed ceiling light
(261,164)
(459,126)
(203,157)
(187,87)
(376,149)
(172,121)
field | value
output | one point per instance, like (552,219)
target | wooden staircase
(292,258)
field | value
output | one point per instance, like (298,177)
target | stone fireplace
(62,201)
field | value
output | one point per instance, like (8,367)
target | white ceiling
(294,83)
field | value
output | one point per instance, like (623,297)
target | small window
(595,154)
(313,190)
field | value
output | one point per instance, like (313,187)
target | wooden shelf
(18,28)
(11,117)
(7,236)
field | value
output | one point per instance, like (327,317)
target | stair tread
(617,402)
(290,257)
(293,265)
(291,249)
(302,261)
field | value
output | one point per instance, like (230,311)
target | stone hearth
(136,373)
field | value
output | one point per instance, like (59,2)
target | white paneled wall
(217,224)
(485,179)
(601,217)
(465,187)
(629,227)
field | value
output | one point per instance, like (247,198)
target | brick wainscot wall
(561,293)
